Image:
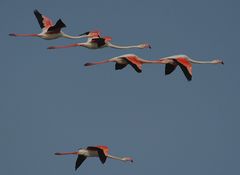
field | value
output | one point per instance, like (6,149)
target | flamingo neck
(122,47)
(73,37)
(115,157)
(201,62)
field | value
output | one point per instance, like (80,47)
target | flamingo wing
(100,152)
(134,63)
(186,67)
(43,21)
(169,68)
(119,66)
(80,160)
(57,27)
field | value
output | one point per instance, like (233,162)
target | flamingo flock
(183,61)
(52,31)
(95,41)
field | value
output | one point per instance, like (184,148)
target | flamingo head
(145,45)
(127,159)
(217,61)
(107,38)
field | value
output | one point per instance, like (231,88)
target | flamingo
(100,42)
(93,151)
(185,63)
(50,31)
(171,63)
(123,60)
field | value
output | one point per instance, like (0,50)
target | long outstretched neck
(96,63)
(63,47)
(115,157)
(31,35)
(120,158)
(65,153)
(201,62)
(73,37)
(122,47)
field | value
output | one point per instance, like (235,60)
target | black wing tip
(189,78)
(167,73)
(102,157)
(103,161)
(36,12)
(119,66)
(62,23)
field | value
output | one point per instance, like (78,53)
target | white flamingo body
(87,153)
(50,36)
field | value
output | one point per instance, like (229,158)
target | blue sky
(50,102)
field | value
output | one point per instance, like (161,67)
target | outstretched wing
(100,152)
(57,27)
(169,68)
(43,21)
(186,67)
(119,66)
(80,160)
(134,63)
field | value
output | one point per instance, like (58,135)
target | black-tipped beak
(222,62)
(86,33)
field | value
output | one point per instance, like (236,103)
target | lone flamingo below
(100,42)
(171,63)
(50,31)
(93,151)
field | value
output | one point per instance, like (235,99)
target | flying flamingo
(171,63)
(100,42)
(50,31)
(185,63)
(123,60)
(93,151)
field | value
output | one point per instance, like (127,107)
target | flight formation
(50,31)
(96,41)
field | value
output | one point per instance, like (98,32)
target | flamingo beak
(57,154)
(86,33)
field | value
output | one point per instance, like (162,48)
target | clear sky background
(50,102)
